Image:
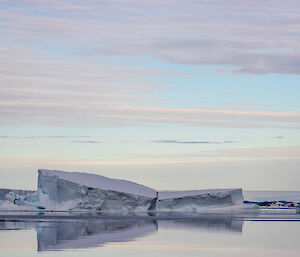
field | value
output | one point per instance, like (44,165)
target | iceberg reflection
(78,234)
(219,223)
(85,234)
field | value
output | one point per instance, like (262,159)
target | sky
(172,94)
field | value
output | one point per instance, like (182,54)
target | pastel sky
(173,94)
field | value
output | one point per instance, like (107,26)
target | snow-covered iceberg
(10,198)
(59,190)
(5,191)
(193,201)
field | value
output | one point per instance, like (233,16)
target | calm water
(206,235)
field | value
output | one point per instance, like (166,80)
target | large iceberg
(74,191)
(192,201)
(88,191)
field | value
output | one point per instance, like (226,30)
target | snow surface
(101,182)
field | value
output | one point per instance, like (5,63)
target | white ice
(59,190)
(235,194)
(98,181)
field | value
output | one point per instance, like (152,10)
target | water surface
(271,234)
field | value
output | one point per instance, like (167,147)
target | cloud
(207,156)
(88,142)
(69,63)
(39,137)
(255,153)
(52,111)
(278,137)
(245,36)
(191,142)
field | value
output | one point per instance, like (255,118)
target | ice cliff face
(107,200)
(190,201)
(58,190)
(94,192)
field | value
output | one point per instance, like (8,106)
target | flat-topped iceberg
(191,201)
(54,178)
(60,190)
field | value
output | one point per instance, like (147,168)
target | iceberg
(10,198)
(5,191)
(76,191)
(195,200)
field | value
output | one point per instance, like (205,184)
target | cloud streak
(87,142)
(39,137)
(92,112)
(236,154)
(247,37)
(191,142)
(67,63)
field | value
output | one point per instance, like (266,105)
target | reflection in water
(68,234)
(84,234)
(220,223)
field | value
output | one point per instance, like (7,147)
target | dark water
(270,234)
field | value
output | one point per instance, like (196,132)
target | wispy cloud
(94,112)
(44,80)
(39,137)
(87,142)
(230,155)
(191,142)
(246,36)
(255,153)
